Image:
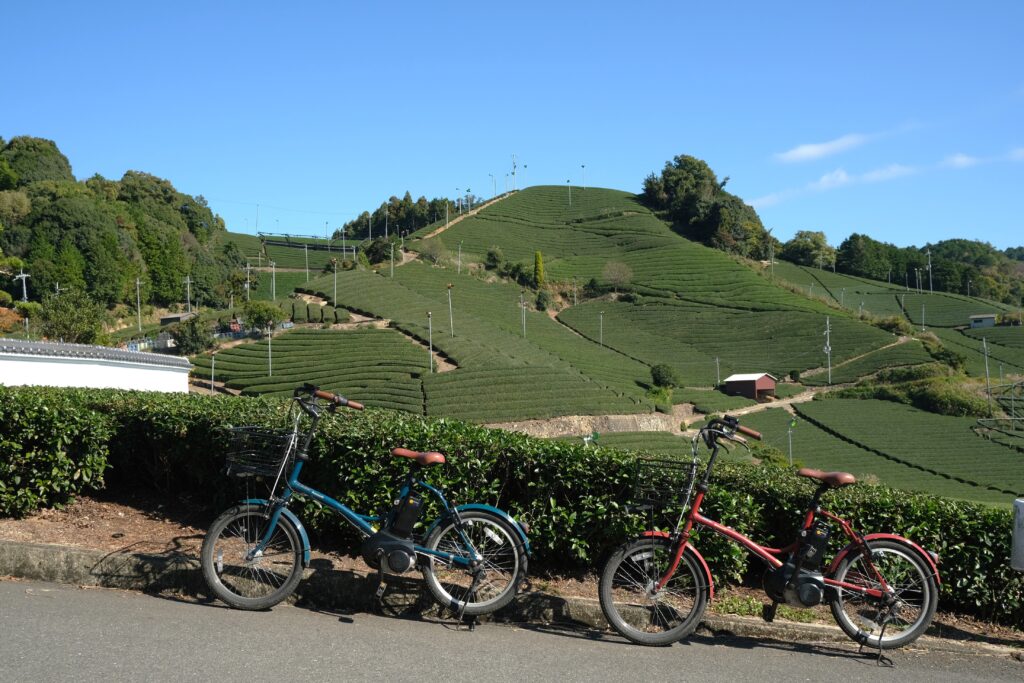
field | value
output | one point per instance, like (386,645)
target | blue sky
(899,120)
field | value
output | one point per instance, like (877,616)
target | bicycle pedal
(768,612)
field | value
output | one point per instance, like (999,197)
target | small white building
(983,320)
(39,363)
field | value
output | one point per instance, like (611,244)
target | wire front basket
(258,452)
(661,483)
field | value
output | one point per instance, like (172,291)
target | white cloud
(810,151)
(1017,154)
(960,160)
(890,172)
(836,178)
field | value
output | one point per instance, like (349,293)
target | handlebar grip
(749,432)
(337,399)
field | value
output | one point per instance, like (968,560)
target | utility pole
(305,248)
(138,302)
(968,287)
(213,369)
(188,292)
(273,280)
(601,330)
(392,259)
(458,200)
(842,298)
(446,202)
(23,276)
(930,290)
(522,305)
(988,383)
(451,319)
(828,347)
(718,373)
(790,433)
(386,212)
(569,185)
(270,349)
(430,341)
(248,279)
(334,301)
(513,172)
(573,290)
(584,169)
(922,318)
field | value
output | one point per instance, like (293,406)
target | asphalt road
(53,632)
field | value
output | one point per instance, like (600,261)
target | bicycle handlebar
(335,399)
(749,432)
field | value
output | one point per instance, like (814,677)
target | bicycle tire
(625,592)
(906,573)
(504,563)
(256,584)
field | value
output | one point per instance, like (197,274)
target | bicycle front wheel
(239,575)
(501,568)
(636,608)
(868,620)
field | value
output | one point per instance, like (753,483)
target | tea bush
(572,495)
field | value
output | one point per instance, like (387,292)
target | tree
(192,336)
(33,159)
(617,274)
(71,316)
(538,270)
(262,315)
(664,376)
(809,248)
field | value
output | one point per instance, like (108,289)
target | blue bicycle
(473,557)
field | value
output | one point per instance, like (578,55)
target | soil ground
(145,524)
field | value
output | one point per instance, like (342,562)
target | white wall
(30,370)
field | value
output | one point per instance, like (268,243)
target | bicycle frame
(364,524)
(770,556)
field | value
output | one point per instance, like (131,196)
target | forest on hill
(100,235)
(689,195)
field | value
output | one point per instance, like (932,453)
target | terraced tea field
(378,367)
(815,447)
(935,444)
(1009,359)
(689,337)
(909,353)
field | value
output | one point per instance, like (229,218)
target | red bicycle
(882,588)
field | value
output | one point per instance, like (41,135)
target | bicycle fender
(696,553)
(468,507)
(929,559)
(303,536)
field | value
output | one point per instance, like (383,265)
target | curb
(327,588)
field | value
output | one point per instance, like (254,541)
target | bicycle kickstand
(472,621)
(379,595)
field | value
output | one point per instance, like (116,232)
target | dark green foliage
(664,375)
(51,448)
(192,336)
(809,248)
(495,258)
(696,202)
(572,495)
(538,270)
(71,317)
(263,314)
(33,159)
(403,216)
(544,300)
(379,250)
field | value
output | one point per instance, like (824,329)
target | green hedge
(572,495)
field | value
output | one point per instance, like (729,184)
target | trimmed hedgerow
(572,495)
(50,449)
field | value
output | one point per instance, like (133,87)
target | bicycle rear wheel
(911,582)
(502,567)
(639,612)
(238,576)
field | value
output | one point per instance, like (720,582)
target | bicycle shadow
(580,631)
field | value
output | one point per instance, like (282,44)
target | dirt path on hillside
(467,214)
(817,371)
